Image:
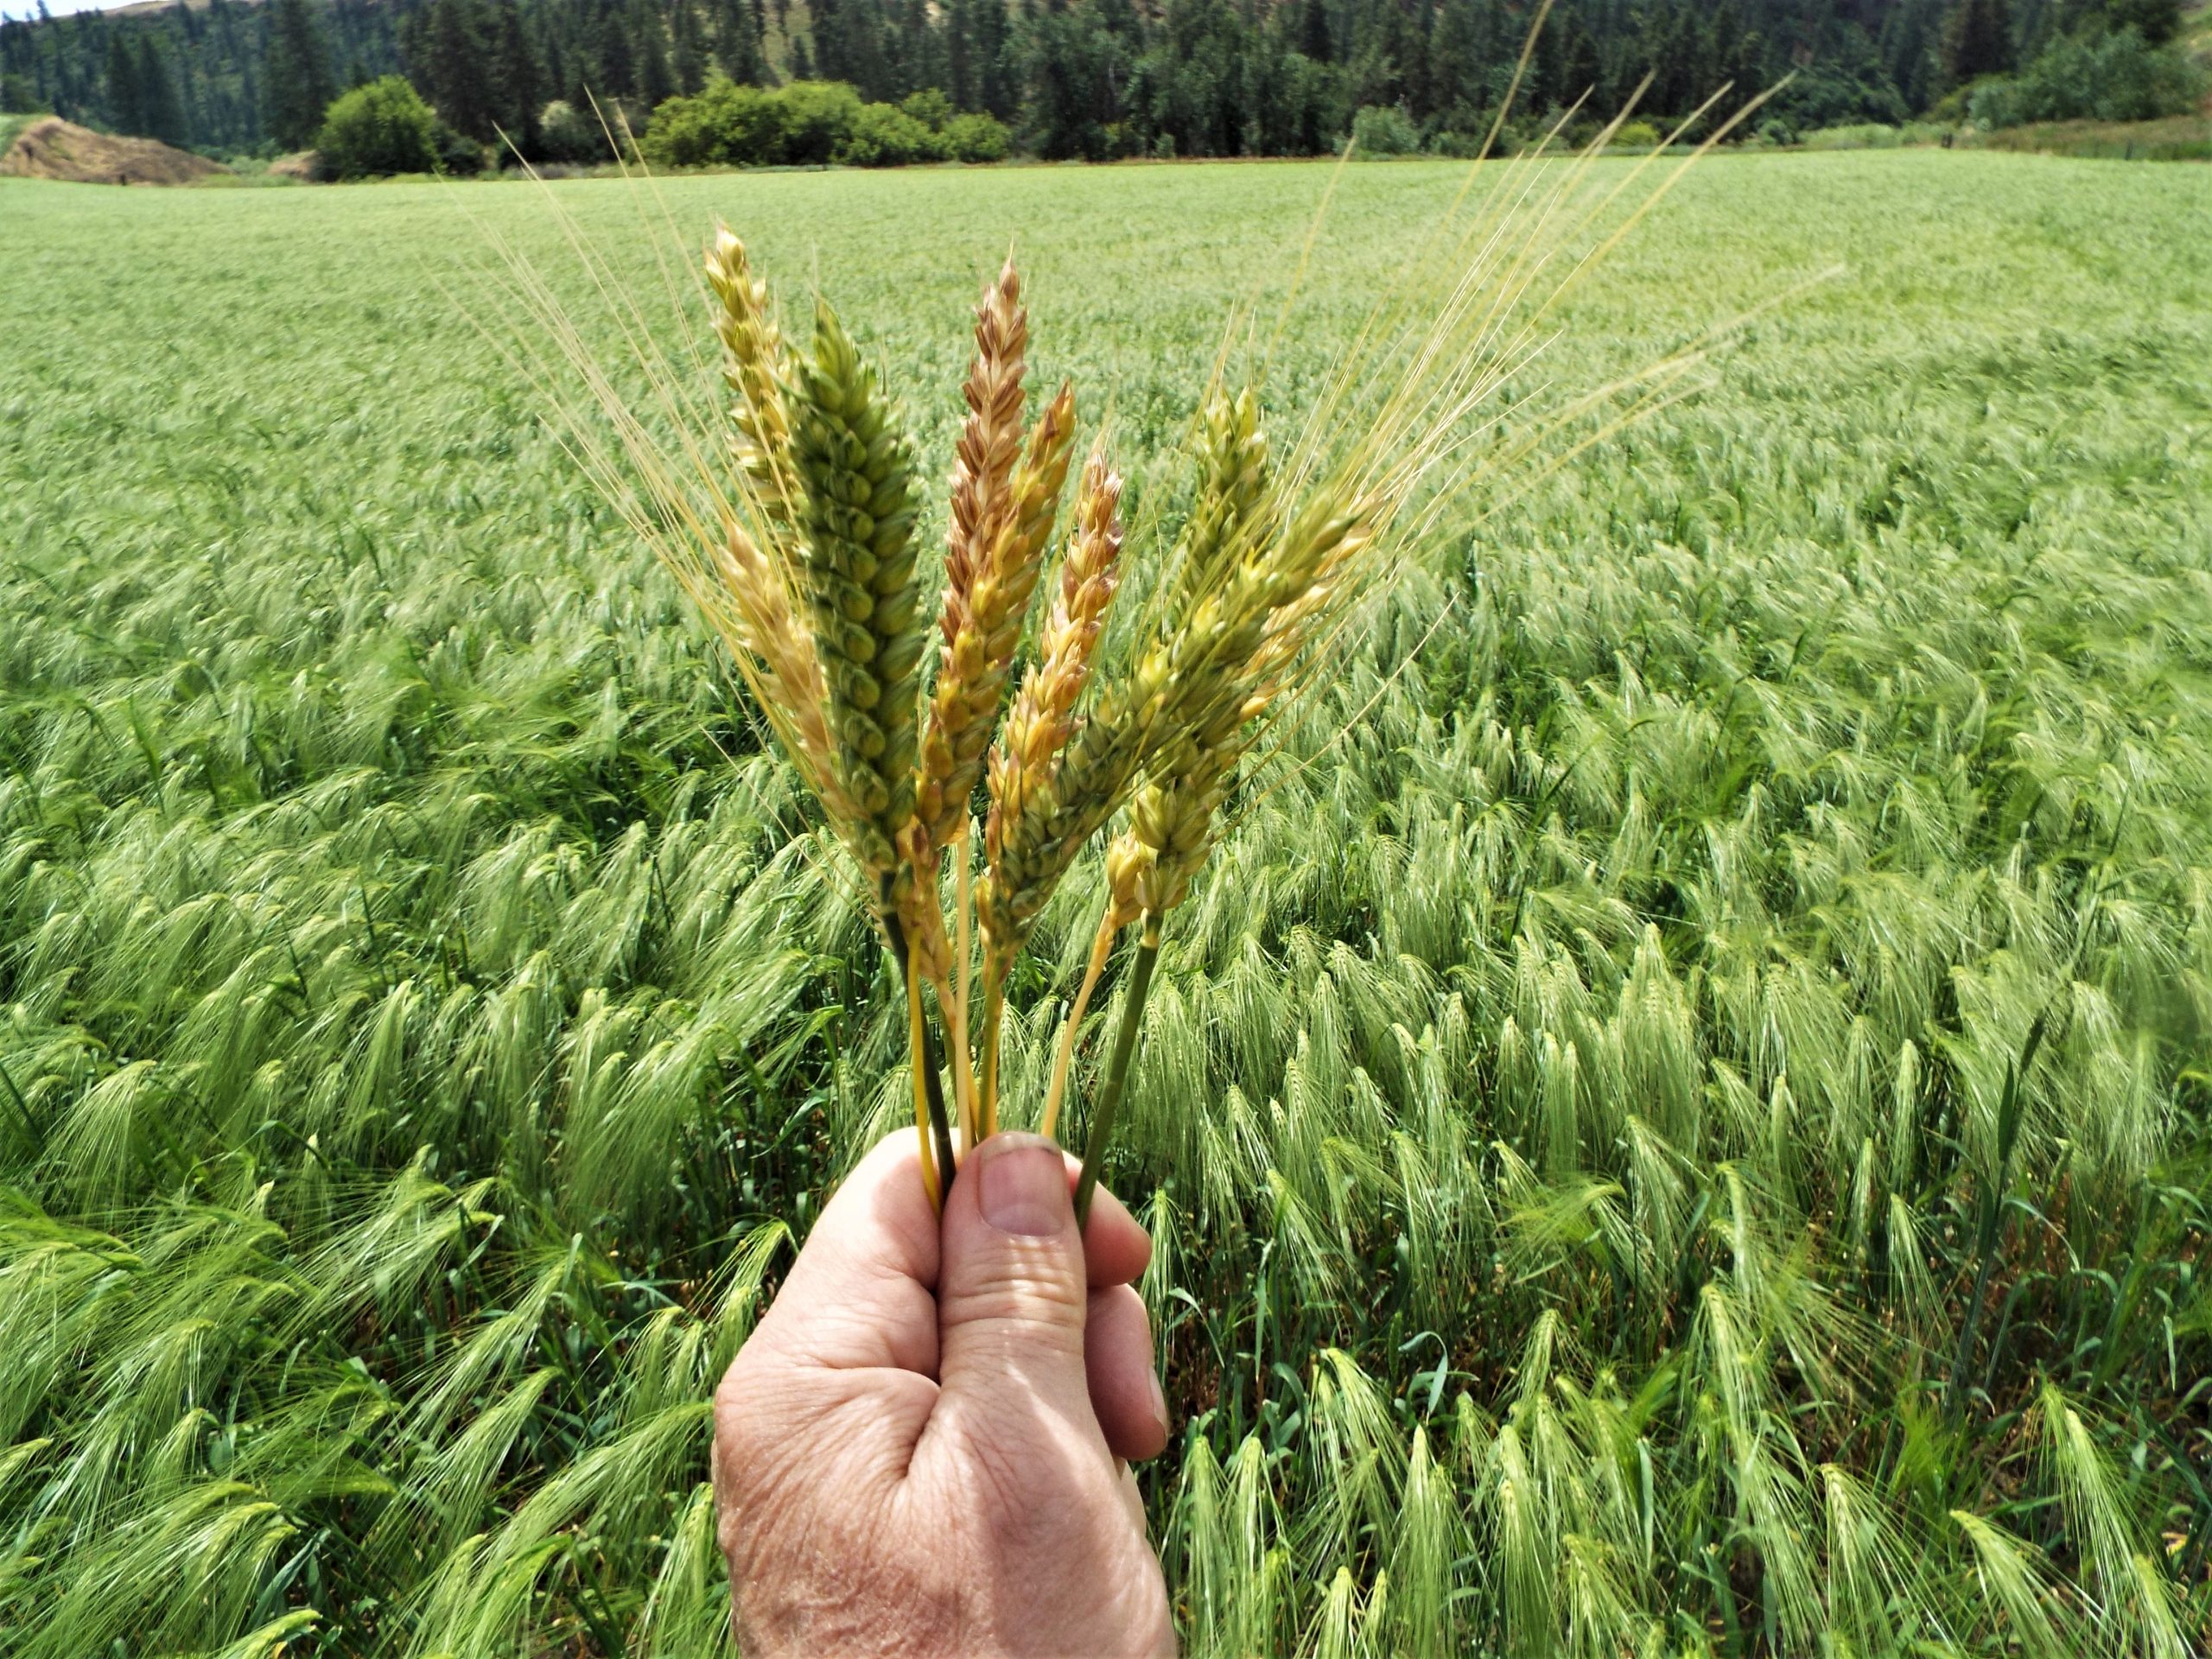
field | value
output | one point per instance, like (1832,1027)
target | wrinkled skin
(921,1450)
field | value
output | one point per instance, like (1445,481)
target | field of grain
(1700,1141)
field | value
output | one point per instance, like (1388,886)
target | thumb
(1011,1294)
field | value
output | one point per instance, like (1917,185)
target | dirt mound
(300,164)
(51,147)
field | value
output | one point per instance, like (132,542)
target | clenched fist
(921,1450)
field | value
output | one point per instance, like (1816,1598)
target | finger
(1116,1249)
(1011,1289)
(860,1293)
(1117,1362)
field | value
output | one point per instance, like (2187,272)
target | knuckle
(1034,1286)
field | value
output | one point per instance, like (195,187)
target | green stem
(928,1060)
(1117,1069)
(1991,1232)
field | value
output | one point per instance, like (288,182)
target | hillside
(50,148)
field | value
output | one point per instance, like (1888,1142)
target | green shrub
(2117,76)
(1637,135)
(723,126)
(883,135)
(812,123)
(1461,144)
(19,96)
(930,107)
(566,133)
(1384,130)
(379,130)
(1863,134)
(818,116)
(978,137)
(1874,135)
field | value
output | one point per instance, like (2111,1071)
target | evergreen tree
(1313,31)
(656,79)
(617,76)
(1908,45)
(1977,39)
(555,64)
(737,40)
(454,69)
(1546,67)
(126,110)
(161,114)
(1582,77)
(295,83)
(515,84)
(687,53)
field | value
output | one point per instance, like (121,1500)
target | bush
(1461,144)
(930,107)
(1876,135)
(379,130)
(819,118)
(977,138)
(813,123)
(1384,130)
(566,133)
(19,97)
(1637,135)
(2117,76)
(724,124)
(882,134)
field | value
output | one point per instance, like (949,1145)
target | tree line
(1090,78)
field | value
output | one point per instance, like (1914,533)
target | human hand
(919,1451)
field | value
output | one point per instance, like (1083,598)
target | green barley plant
(1579,1094)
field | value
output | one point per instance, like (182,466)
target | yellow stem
(994,1011)
(1100,948)
(964,982)
(917,1062)
(964,1075)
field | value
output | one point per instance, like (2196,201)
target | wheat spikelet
(983,478)
(1030,850)
(753,364)
(1093,779)
(856,544)
(1230,510)
(983,628)
(1038,725)
(749,605)
(1277,608)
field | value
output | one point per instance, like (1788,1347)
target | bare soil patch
(50,148)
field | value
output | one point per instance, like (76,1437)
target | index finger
(862,1292)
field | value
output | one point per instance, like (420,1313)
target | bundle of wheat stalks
(788,515)
(813,586)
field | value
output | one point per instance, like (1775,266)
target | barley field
(1699,1033)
